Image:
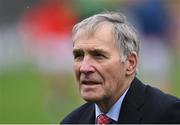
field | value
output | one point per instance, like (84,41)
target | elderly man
(105,49)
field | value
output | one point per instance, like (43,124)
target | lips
(89,82)
(90,79)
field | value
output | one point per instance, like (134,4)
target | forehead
(102,40)
(92,30)
(103,32)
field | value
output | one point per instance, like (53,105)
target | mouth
(90,83)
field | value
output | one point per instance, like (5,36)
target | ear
(131,63)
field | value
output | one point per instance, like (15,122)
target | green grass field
(27,97)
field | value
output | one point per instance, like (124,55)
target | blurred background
(37,84)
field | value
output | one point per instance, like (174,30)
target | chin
(91,98)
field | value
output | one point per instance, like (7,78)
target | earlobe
(132,61)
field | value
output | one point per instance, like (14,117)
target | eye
(98,55)
(78,55)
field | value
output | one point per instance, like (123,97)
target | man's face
(98,68)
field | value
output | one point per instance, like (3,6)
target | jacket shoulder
(164,106)
(155,95)
(75,116)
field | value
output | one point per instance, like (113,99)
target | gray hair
(124,33)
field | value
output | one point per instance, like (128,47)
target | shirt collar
(114,112)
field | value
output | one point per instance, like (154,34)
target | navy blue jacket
(142,104)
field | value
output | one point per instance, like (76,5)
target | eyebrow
(97,51)
(76,51)
(90,51)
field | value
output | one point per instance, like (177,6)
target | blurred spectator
(152,19)
(46,30)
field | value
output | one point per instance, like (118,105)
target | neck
(107,103)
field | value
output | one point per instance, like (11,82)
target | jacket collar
(133,103)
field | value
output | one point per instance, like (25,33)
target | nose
(86,66)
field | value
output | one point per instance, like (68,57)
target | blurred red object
(46,33)
(49,18)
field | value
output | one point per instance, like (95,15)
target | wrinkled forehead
(89,30)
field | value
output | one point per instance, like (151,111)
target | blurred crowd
(41,33)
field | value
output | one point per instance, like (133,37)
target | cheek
(113,73)
(76,70)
